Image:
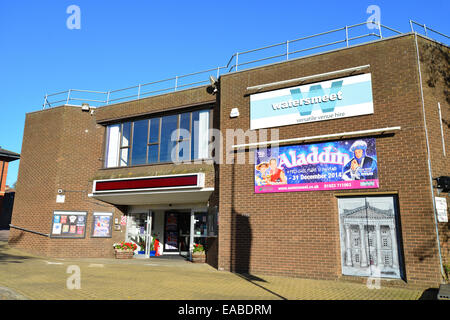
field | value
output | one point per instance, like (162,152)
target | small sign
(234,113)
(441,208)
(60,198)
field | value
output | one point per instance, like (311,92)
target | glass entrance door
(171,234)
(138,232)
(199,228)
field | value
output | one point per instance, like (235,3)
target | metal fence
(334,39)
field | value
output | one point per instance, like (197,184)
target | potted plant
(153,245)
(124,250)
(140,241)
(198,253)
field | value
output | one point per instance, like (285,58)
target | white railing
(334,39)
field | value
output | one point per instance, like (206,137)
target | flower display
(198,248)
(125,246)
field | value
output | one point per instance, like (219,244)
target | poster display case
(68,224)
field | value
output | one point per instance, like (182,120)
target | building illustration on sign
(369,239)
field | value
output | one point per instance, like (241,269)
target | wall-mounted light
(212,89)
(234,113)
(85,107)
(442,184)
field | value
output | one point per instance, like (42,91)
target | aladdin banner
(336,165)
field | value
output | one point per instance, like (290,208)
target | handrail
(31,231)
(238,59)
(412,22)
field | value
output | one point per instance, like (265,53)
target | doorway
(176,232)
(139,226)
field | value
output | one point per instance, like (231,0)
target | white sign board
(441,207)
(326,100)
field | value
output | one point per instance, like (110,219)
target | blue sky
(123,43)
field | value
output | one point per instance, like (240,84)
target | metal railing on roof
(332,39)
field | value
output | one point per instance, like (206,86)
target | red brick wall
(61,149)
(297,233)
(434,60)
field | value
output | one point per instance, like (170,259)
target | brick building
(6,195)
(297,206)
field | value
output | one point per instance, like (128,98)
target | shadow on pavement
(429,294)
(6,257)
(251,278)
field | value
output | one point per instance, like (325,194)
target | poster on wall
(326,100)
(171,240)
(101,225)
(335,165)
(68,224)
(369,237)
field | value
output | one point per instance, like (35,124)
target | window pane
(194,130)
(112,148)
(184,152)
(203,134)
(154,130)
(126,133)
(139,148)
(153,153)
(185,119)
(124,157)
(200,127)
(169,124)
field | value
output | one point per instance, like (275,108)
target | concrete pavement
(28,276)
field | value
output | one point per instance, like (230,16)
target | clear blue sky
(123,43)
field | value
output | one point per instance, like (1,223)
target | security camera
(60,191)
(211,90)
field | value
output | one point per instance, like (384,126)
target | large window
(173,138)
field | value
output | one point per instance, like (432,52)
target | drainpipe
(429,159)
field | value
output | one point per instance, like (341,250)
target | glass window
(168,126)
(184,137)
(139,150)
(112,147)
(124,154)
(173,138)
(154,130)
(126,134)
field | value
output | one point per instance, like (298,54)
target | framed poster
(68,224)
(101,225)
(334,165)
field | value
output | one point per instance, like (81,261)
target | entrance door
(199,228)
(369,240)
(171,233)
(139,226)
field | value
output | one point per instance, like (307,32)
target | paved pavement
(26,276)
(4,234)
